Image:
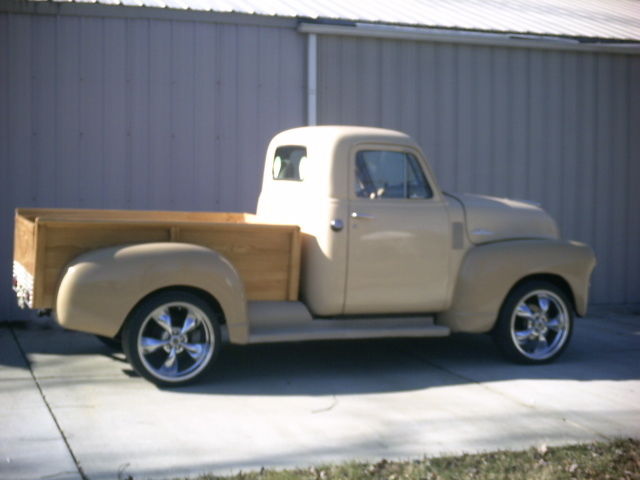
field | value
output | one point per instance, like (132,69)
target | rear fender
(100,288)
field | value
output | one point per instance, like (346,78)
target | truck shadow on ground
(348,367)
(355,366)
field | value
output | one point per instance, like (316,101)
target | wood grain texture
(294,266)
(144,215)
(23,244)
(39,274)
(266,256)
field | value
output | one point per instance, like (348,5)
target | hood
(491,219)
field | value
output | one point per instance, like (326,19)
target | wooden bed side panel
(266,256)
(294,265)
(66,240)
(24,243)
(261,254)
(141,215)
(39,276)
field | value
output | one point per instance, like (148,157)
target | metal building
(167,104)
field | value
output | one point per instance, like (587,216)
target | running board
(343,329)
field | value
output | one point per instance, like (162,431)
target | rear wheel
(172,338)
(535,323)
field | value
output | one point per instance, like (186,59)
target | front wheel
(172,338)
(535,323)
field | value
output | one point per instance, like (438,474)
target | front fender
(100,288)
(490,271)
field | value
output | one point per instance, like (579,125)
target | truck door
(399,235)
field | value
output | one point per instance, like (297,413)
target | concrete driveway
(71,408)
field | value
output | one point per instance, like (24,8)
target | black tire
(172,338)
(535,323)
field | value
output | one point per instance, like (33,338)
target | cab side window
(389,174)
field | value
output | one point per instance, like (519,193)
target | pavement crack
(46,403)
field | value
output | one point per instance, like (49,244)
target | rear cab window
(289,163)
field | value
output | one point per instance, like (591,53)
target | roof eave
(503,39)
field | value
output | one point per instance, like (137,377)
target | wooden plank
(267,256)
(23,244)
(241,237)
(144,215)
(261,255)
(294,266)
(39,279)
(67,240)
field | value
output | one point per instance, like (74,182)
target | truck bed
(267,256)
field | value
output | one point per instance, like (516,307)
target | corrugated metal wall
(175,114)
(561,128)
(140,114)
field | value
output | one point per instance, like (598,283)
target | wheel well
(556,280)
(202,294)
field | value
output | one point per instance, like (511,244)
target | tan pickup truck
(352,239)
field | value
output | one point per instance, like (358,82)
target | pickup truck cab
(352,238)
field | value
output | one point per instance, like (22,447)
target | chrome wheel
(535,323)
(175,342)
(172,338)
(540,325)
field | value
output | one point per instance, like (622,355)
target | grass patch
(619,460)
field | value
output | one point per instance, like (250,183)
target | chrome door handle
(336,225)
(364,216)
